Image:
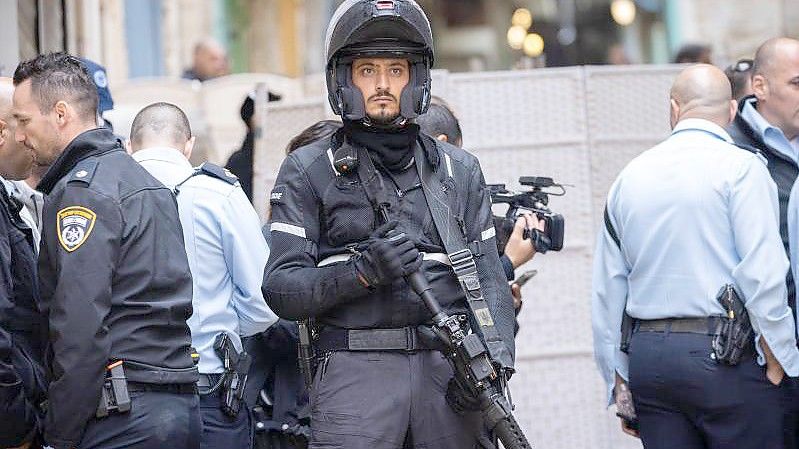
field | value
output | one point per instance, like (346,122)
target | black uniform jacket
(22,329)
(317,214)
(115,280)
(783,171)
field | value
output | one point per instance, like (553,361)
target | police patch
(74,224)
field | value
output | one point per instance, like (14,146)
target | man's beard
(383,117)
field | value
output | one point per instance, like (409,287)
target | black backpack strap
(611,230)
(441,200)
(627,322)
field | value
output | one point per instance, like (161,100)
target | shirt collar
(703,125)
(758,123)
(162,154)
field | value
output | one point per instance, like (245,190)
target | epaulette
(218,172)
(752,149)
(83,172)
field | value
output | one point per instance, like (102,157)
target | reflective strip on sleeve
(287,228)
(448,161)
(332,161)
(488,233)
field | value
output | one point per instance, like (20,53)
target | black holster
(734,332)
(114,397)
(234,379)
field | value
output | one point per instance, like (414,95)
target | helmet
(378,28)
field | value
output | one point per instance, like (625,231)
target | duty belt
(398,339)
(704,326)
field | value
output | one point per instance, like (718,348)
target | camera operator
(440,122)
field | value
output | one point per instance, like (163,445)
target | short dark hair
(439,119)
(690,53)
(59,77)
(160,121)
(318,130)
(739,74)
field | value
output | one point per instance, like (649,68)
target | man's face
(36,131)
(211,63)
(777,92)
(381,81)
(16,160)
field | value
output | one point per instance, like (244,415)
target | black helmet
(392,28)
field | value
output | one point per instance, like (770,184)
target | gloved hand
(459,399)
(430,339)
(390,256)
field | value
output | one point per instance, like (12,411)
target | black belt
(163,388)
(704,326)
(398,339)
(208,380)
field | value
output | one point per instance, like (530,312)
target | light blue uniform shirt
(226,251)
(772,136)
(693,213)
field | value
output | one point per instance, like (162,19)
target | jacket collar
(747,138)
(87,144)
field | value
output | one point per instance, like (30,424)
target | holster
(734,332)
(114,397)
(234,379)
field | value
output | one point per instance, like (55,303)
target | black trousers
(686,400)
(156,420)
(374,400)
(220,431)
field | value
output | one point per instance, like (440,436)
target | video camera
(534,201)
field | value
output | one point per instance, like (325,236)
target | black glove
(390,256)
(459,399)
(430,339)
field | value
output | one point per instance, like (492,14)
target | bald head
(773,53)
(160,125)
(210,59)
(702,91)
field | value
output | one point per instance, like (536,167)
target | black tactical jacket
(783,171)
(317,214)
(115,280)
(23,336)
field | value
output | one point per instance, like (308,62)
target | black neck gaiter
(393,148)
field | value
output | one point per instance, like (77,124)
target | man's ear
(733,110)
(62,111)
(128,146)
(187,149)
(4,132)
(674,112)
(442,137)
(760,86)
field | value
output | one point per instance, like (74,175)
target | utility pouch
(733,338)
(236,365)
(305,350)
(114,397)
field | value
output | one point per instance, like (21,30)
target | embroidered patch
(74,224)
